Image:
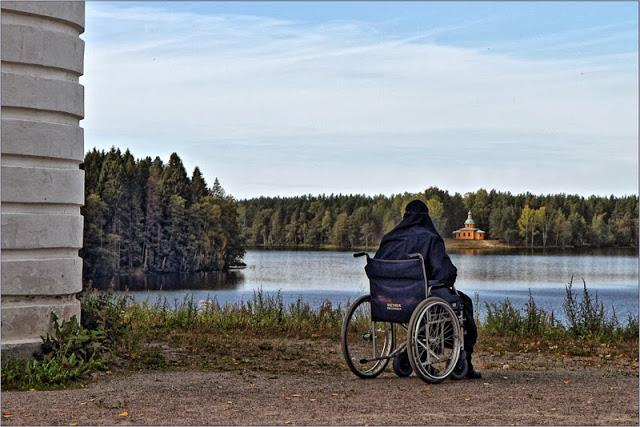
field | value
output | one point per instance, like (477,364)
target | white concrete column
(42,186)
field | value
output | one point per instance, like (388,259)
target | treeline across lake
(142,215)
(353,221)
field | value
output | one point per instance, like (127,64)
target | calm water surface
(316,276)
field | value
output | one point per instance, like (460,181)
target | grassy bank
(116,333)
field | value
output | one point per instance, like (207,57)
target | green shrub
(504,319)
(586,318)
(68,355)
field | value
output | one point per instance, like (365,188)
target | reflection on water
(320,275)
(227,280)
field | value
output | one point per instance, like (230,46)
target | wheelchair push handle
(359,254)
(417,255)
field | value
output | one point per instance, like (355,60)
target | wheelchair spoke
(436,340)
(373,341)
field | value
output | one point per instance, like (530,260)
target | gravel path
(553,397)
(295,381)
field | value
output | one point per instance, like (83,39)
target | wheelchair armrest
(435,284)
(359,254)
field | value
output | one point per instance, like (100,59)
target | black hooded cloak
(417,234)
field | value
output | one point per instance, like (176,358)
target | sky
(291,98)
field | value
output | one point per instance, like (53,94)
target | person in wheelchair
(417,234)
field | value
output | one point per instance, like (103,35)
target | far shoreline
(470,247)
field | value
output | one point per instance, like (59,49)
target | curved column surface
(42,186)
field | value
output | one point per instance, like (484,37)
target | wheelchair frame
(459,369)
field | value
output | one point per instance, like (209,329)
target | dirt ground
(285,383)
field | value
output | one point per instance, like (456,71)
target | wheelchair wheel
(460,371)
(366,345)
(401,365)
(434,340)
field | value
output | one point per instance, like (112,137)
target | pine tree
(216,190)
(175,181)
(95,254)
(111,184)
(179,244)
(198,186)
(153,224)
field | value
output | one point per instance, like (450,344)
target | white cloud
(243,93)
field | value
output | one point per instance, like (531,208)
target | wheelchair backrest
(397,287)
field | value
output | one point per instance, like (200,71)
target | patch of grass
(69,354)
(117,332)
(263,315)
(503,319)
(586,317)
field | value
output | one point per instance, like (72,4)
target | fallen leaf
(467,399)
(229,402)
(312,400)
(7,414)
(553,409)
(334,394)
(296,395)
(124,414)
(73,423)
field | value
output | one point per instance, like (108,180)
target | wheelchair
(402,301)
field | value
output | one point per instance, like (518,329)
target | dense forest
(141,215)
(352,221)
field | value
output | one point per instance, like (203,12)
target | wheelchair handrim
(387,342)
(423,346)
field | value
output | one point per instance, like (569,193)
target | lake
(316,276)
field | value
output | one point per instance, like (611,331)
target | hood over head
(416,214)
